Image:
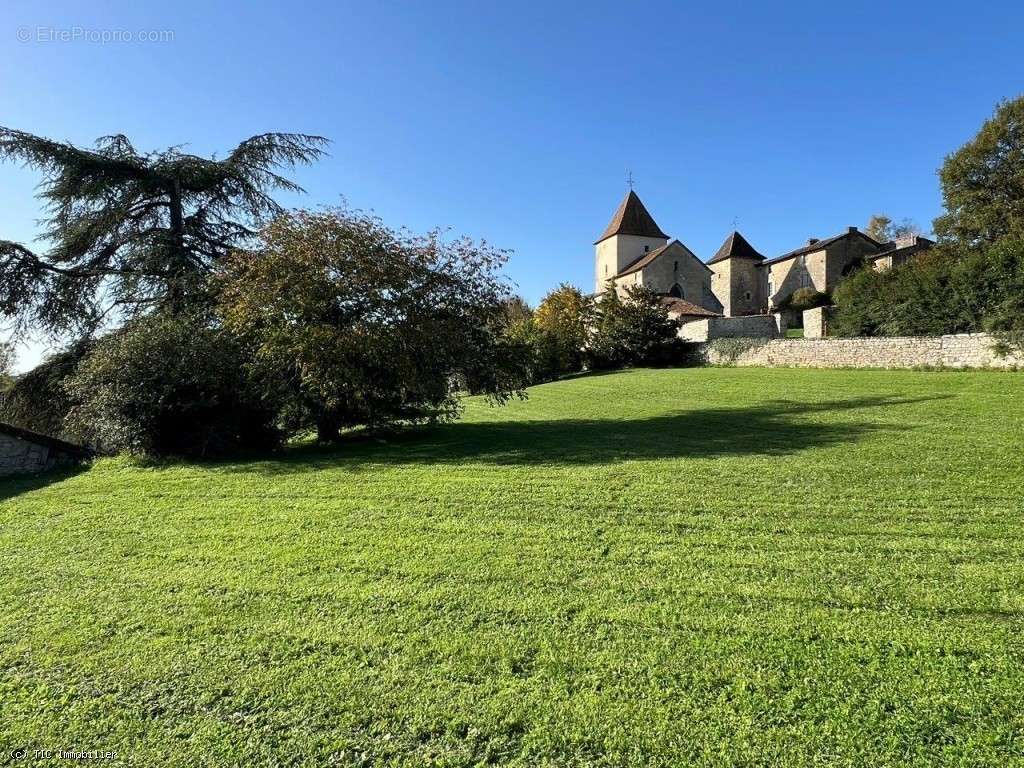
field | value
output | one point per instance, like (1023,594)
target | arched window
(676,290)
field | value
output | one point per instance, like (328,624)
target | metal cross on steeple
(629,179)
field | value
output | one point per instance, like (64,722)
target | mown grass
(705,566)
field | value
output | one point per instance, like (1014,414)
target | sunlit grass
(718,566)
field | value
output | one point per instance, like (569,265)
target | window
(677,291)
(771,288)
(747,295)
(675,266)
(606,270)
(805,280)
(647,248)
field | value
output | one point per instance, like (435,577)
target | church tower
(630,234)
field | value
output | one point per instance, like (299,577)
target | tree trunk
(179,259)
(327,430)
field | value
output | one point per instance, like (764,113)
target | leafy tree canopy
(633,329)
(983,182)
(130,231)
(563,320)
(362,325)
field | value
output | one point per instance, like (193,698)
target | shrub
(942,291)
(169,386)
(632,330)
(1000,294)
(38,399)
(808,298)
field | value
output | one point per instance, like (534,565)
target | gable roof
(684,307)
(632,218)
(893,249)
(736,247)
(650,256)
(818,245)
(50,442)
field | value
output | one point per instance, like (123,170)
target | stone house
(820,264)
(902,250)
(22,451)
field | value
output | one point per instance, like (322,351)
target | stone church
(737,280)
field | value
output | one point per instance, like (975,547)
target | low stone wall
(729,328)
(969,350)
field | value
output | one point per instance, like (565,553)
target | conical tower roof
(736,247)
(632,219)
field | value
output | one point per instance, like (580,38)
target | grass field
(708,566)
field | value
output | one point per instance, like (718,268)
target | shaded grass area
(709,566)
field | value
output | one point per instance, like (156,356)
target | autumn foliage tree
(563,322)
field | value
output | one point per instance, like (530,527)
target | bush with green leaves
(803,299)
(169,385)
(940,292)
(359,325)
(631,330)
(38,399)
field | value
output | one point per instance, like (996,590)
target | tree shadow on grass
(775,428)
(15,485)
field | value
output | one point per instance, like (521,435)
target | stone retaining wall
(969,350)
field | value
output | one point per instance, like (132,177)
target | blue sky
(516,122)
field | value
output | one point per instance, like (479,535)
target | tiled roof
(632,219)
(736,247)
(647,258)
(683,307)
(817,245)
(643,261)
(919,244)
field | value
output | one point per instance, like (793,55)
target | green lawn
(712,566)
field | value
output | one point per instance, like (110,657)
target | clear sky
(516,122)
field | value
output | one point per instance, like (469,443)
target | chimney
(812,240)
(852,230)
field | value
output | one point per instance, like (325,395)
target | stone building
(820,264)
(737,281)
(634,251)
(900,252)
(23,451)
